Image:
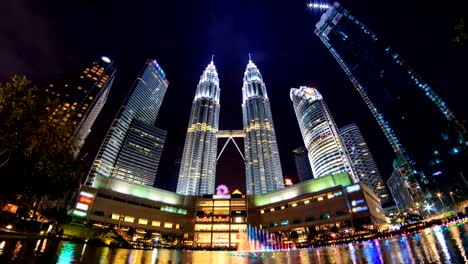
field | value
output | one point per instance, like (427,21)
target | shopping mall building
(218,220)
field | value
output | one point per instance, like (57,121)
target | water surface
(442,244)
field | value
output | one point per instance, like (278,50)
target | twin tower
(262,163)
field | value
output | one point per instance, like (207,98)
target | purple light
(222,190)
(317,6)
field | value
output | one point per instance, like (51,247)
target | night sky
(48,39)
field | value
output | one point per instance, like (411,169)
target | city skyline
(295,67)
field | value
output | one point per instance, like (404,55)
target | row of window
(323,216)
(304,202)
(144,221)
(162,208)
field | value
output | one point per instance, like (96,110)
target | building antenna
(250,59)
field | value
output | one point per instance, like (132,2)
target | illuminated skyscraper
(363,162)
(327,153)
(262,162)
(303,168)
(415,120)
(82,99)
(198,167)
(133,146)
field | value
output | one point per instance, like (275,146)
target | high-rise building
(303,168)
(262,162)
(363,162)
(327,153)
(415,120)
(82,99)
(133,146)
(198,167)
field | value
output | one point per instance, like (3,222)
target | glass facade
(415,120)
(198,166)
(82,99)
(132,147)
(262,162)
(363,162)
(217,222)
(303,168)
(327,153)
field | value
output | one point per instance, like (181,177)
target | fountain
(253,241)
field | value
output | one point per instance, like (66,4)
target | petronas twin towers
(262,164)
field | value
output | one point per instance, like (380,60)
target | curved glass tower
(198,166)
(262,162)
(327,153)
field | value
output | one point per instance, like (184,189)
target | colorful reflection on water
(441,244)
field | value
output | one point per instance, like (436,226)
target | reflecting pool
(441,244)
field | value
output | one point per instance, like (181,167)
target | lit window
(272,209)
(129,219)
(294,204)
(168,225)
(262,211)
(143,221)
(306,202)
(156,223)
(238,220)
(320,199)
(115,216)
(177,226)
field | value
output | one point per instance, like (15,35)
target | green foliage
(461,33)
(35,151)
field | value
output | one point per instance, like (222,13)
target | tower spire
(250,58)
(212,58)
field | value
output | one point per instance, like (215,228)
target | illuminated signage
(215,196)
(353,188)
(85,200)
(79,213)
(82,206)
(360,209)
(288,182)
(86,194)
(356,202)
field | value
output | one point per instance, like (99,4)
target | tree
(35,149)
(461,33)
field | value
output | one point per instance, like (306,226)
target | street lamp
(451,197)
(429,207)
(440,198)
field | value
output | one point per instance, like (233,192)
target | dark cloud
(28,44)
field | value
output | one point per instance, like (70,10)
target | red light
(85,200)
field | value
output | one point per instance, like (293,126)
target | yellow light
(9,227)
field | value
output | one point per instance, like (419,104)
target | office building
(81,99)
(413,117)
(133,146)
(262,162)
(363,162)
(327,153)
(198,166)
(303,168)
(221,221)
